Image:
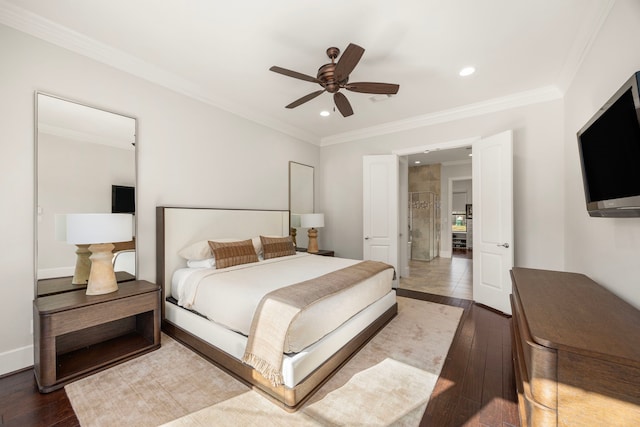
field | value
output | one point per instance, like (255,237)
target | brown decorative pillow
(274,247)
(233,253)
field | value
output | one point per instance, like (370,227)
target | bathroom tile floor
(451,277)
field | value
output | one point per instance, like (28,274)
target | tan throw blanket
(278,309)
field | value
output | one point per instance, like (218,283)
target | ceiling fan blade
(304,99)
(369,87)
(342,103)
(348,61)
(294,74)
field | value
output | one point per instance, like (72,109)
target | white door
(403,217)
(380,208)
(492,164)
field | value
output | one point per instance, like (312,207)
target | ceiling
(81,123)
(220,52)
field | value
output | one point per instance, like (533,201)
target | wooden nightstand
(76,335)
(321,252)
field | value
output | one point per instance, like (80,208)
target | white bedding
(295,367)
(230,296)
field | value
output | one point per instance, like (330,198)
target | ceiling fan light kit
(335,76)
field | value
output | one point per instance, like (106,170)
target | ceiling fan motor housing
(327,77)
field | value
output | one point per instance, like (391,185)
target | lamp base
(83,266)
(102,279)
(312,247)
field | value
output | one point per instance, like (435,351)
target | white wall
(538,177)
(605,249)
(189,153)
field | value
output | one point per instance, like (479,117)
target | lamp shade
(88,228)
(314,220)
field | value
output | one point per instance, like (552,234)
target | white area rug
(387,383)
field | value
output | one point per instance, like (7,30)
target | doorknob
(504,245)
(366,238)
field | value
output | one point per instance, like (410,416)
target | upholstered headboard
(177,227)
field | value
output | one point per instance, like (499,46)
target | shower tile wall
(424,180)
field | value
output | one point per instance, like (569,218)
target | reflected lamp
(99,231)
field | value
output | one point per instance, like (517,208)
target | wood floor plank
(474,374)
(510,415)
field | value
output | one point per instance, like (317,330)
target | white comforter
(230,296)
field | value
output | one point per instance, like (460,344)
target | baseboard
(16,360)
(52,273)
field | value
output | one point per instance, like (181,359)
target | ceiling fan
(335,76)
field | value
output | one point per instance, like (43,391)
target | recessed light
(467,71)
(417,162)
(324,113)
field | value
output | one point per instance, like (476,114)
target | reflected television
(123,199)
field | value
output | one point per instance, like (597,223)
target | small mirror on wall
(301,198)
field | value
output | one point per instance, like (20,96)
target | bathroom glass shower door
(424,225)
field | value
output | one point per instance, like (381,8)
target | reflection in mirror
(301,198)
(83,156)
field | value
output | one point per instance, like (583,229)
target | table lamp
(312,221)
(295,223)
(83,263)
(99,231)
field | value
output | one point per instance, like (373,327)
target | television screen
(123,199)
(610,154)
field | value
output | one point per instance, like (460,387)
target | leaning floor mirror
(85,162)
(301,199)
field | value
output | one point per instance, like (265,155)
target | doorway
(493,246)
(438,259)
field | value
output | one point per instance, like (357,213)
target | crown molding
(586,36)
(75,135)
(49,31)
(543,94)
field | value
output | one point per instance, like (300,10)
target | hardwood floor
(476,386)
(477,383)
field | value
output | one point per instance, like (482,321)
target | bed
(211,309)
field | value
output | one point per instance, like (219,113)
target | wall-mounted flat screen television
(609,146)
(123,199)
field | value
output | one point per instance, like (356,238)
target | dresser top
(594,321)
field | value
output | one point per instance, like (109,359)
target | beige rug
(387,383)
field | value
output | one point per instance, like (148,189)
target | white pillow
(257,245)
(201,263)
(201,251)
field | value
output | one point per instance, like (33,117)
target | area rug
(387,383)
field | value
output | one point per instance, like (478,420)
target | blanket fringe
(265,368)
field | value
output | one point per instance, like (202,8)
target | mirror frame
(37,93)
(297,172)
(292,175)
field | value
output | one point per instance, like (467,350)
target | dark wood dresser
(576,351)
